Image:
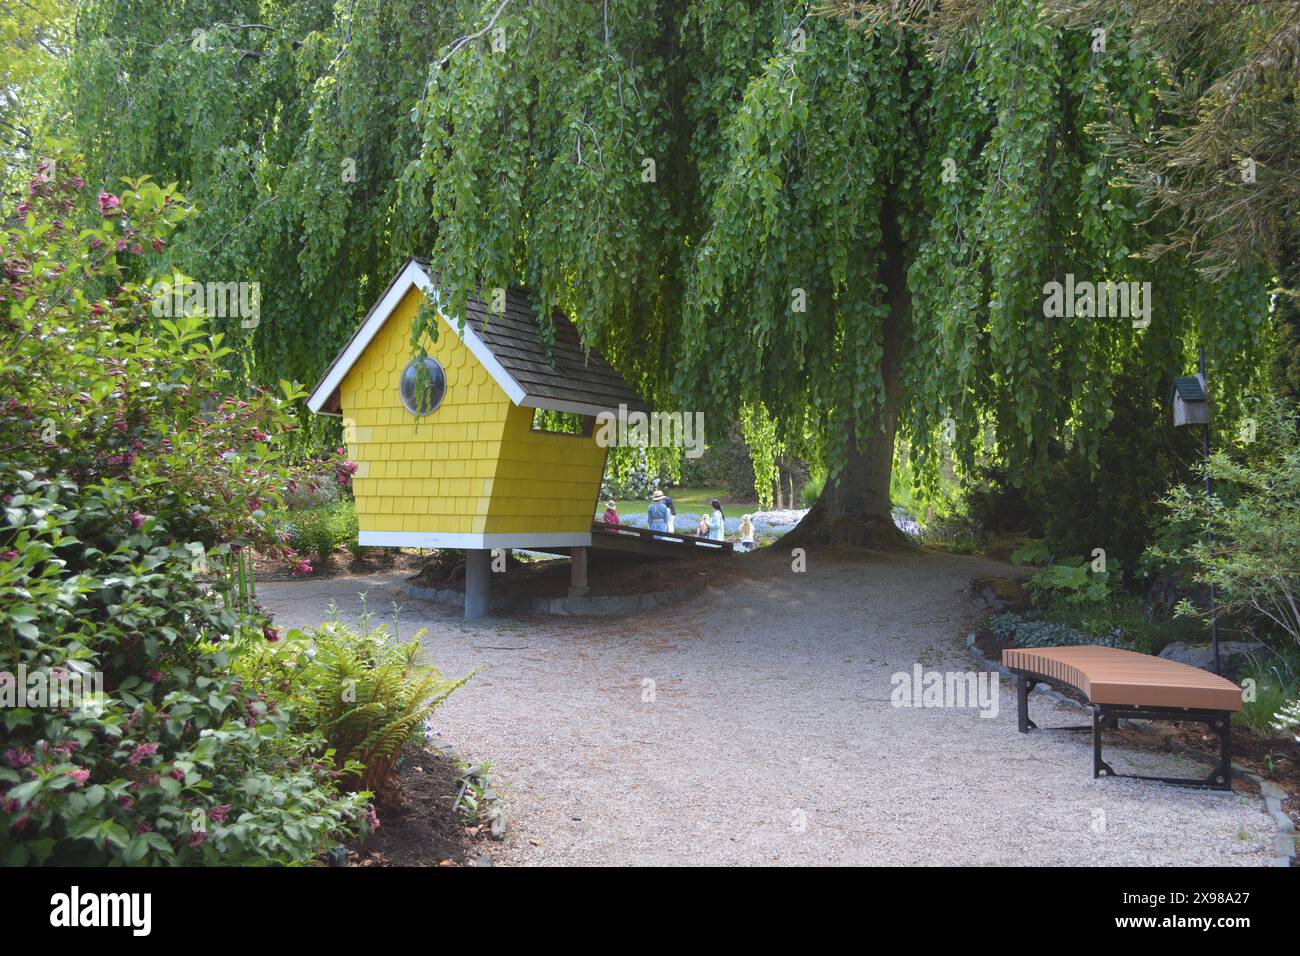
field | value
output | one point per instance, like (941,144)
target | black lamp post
(1192,407)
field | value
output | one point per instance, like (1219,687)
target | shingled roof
(571,379)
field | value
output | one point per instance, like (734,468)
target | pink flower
(374,819)
(80,775)
(177,774)
(121,245)
(158,245)
(218,814)
(197,838)
(301,568)
(137,520)
(96,243)
(272,634)
(108,204)
(140,752)
(10,555)
(126,803)
(153,676)
(17,758)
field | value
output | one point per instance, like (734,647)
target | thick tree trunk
(854,507)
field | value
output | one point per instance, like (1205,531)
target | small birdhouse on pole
(1191,406)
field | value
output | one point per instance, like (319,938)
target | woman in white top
(717,521)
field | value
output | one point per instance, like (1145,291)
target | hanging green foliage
(742,205)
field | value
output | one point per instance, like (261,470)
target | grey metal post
(1209,530)
(578,572)
(478,577)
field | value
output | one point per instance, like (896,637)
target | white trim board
(412,275)
(440,539)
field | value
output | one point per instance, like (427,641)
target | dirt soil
(342,563)
(418,825)
(608,574)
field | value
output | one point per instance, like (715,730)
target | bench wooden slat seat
(1108,675)
(1121,683)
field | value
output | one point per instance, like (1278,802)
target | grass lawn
(686,501)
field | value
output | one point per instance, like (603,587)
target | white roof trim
(438,539)
(412,274)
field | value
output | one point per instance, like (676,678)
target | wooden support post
(578,572)
(478,577)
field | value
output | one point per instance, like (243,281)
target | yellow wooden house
(498,450)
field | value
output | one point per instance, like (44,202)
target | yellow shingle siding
(473,466)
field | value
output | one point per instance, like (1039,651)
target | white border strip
(439,539)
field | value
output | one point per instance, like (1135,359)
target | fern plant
(364,695)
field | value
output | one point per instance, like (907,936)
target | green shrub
(1287,719)
(1073,581)
(1112,501)
(1254,560)
(1026,632)
(1141,627)
(999,506)
(812,488)
(955,533)
(363,695)
(317,532)
(126,468)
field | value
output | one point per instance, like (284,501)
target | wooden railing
(667,537)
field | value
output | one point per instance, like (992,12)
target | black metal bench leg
(1023,686)
(1223,778)
(1100,719)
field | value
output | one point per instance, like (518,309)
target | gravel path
(770,737)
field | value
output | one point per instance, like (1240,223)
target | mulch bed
(342,563)
(608,574)
(418,825)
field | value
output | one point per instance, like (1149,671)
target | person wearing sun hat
(657,513)
(611,513)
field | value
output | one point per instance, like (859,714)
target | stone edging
(575,606)
(1284,848)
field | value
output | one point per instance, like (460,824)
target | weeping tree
(838,235)
(831,230)
(290,122)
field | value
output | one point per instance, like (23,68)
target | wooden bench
(1126,684)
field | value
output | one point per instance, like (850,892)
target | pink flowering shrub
(129,460)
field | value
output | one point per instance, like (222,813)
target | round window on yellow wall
(422,394)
